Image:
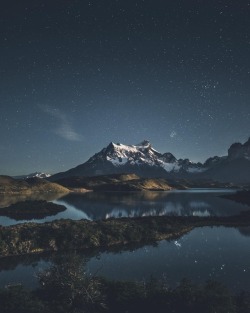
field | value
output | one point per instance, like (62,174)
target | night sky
(76,75)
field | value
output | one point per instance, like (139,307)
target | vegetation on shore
(132,182)
(64,235)
(65,287)
(116,182)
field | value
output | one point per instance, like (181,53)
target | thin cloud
(65,129)
(66,132)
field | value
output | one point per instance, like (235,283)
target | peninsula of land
(65,235)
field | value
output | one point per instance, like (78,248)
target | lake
(217,253)
(94,206)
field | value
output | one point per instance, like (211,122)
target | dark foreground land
(66,288)
(66,235)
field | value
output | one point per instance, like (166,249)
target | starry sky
(76,75)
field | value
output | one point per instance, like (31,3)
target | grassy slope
(10,185)
(118,182)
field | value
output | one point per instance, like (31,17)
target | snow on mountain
(140,154)
(39,175)
(143,154)
(145,161)
(36,174)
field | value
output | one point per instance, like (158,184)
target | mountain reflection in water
(116,204)
(103,205)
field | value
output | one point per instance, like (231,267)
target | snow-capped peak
(141,154)
(143,160)
(38,174)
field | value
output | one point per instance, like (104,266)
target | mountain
(36,174)
(9,185)
(143,160)
(235,167)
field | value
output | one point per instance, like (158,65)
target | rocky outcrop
(239,151)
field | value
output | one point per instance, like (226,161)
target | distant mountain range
(36,174)
(143,160)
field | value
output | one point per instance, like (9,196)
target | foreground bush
(66,288)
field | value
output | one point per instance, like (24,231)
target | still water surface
(95,206)
(217,253)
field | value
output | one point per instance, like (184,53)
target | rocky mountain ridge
(143,160)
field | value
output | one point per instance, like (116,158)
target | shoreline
(69,235)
